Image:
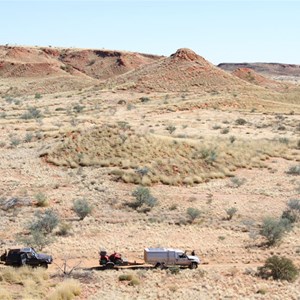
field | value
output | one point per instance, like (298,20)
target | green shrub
(225,130)
(37,96)
(41,200)
(294,170)
(294,204)
(82,208)
(174,270)
(274,229)
(230,212)
(171,128)
(143,197)
(32,113)
(208,155)
(240,121)
(193,214)
(279,268)
(15,141)
(144,99)
(237,182)
(78,108)
(44,222)
(28,138)
(292,213)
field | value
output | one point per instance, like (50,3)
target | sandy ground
(229,249)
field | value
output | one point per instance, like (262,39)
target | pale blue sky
(220,31)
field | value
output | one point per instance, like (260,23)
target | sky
(220,31)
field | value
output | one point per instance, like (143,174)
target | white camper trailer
(166,257)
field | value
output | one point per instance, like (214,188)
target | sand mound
(147,159)
(182,71)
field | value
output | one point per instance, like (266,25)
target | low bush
(37,96)
(44,222)
(144,198)
(294,170)
(237,182)
(193,214)
(82,208)
(174,270)
(32,113)
(171,128)
(274,229)
(240,121)
(279,268)
(41,200)
(230,212)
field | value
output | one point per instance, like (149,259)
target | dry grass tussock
(148,159)
(66,290)
(32,283)
(29,283)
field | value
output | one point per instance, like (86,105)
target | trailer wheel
(109,265)
(157,265)
(118,262)
(193,265)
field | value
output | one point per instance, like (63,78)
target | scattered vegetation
(40,229)
(279,268)
(32,113)
(172,162)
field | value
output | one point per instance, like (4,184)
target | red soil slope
(182,71)
(252,77)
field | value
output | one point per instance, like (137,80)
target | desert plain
(98,124)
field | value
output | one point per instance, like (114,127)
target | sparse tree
(274,229)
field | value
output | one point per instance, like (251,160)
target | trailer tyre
(193,265)
(109,265)
(119,262)
(157,265)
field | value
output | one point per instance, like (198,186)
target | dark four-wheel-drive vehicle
(26,256)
